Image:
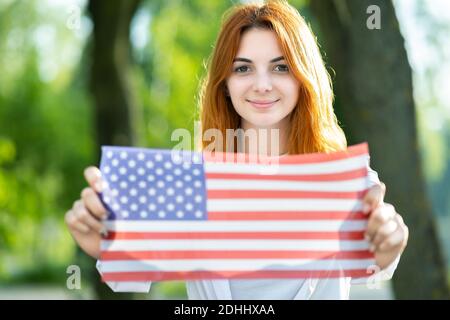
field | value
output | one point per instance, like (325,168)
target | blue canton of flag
(153,185)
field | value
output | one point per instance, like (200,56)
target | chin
(263,123)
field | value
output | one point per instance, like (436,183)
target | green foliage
(182,36)
(168,290)
(45,141)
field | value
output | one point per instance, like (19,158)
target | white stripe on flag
(262,205)
(257,245)
(238,184)
(232,264)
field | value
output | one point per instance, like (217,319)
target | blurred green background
(48,128)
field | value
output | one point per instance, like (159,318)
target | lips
(260,104)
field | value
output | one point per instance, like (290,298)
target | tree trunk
(374,102)
(110,87)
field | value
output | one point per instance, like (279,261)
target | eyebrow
(250,61)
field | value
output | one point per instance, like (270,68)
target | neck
(266,141)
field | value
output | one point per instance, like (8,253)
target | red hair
(313,124)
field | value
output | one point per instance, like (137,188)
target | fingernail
(372,248)
(366,237)
(104,232)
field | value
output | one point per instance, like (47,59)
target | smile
(261,104)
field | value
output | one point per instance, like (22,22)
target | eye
(282,68)
(241,69)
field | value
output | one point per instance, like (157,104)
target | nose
(263,83)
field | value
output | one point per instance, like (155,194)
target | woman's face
(261,87)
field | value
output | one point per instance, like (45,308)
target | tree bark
(111,89)
(110,84)
(374,102)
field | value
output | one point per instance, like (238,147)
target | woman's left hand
(386,231)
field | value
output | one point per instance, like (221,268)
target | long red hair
(313,124)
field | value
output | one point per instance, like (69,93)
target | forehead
(259,43)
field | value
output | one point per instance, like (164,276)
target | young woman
(265,72)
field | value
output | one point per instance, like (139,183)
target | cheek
(235,85)
(291,91)
(237,89)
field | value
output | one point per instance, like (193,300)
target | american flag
(177,215)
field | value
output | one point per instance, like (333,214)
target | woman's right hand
(84,219)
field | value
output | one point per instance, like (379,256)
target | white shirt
(268,289)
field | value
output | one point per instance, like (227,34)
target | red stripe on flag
(354,174)
(344,235)
(288,194)
(226,254)
(286,215)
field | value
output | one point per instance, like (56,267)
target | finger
(404,229)
(74,224)
(383,233)
(374,197)
(395,240)
(400,221)
(94,178)
(379,217)
(406,235)
(81,227)
(85,217)
(93,204)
